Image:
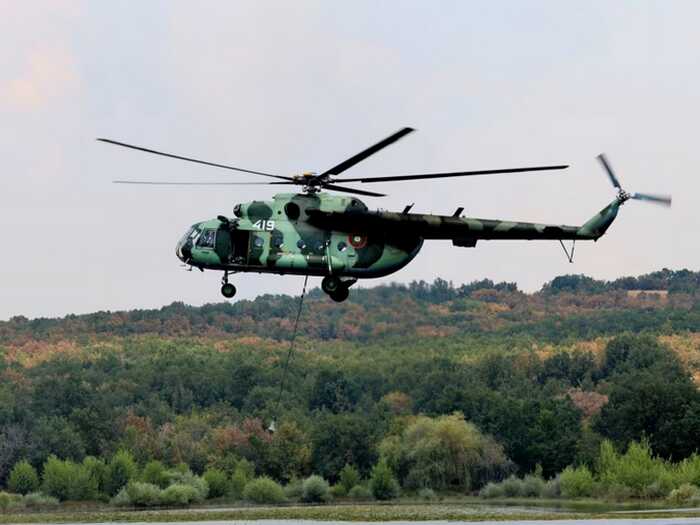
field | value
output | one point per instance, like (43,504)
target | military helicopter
(339,238)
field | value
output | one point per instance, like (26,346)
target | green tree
(382,482)
(23,478)
(154,472)
(120,471)
(349,477)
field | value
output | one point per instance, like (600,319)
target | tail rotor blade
(606,165)
(664,200)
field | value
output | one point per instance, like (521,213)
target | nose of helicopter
(183,248)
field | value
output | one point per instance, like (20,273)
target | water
(621,521)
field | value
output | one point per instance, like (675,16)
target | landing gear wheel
(331,284)
(340,294)
(228,290)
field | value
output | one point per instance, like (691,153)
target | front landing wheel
(228,290)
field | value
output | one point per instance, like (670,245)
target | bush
(66,480)
(315,490)
(360,493)
(217,481)
(180,495)
(263,490)
(97,471)
(121,499)
(684,494)
(349,477)
(512,487)
(293,490)
(552,489)
(492,490)
(338,491)
(37,500)
(6,500)
(532,486)
(577,482)
(238,483)
(427,494)
(120,471)
(154,473)
(185,477)
(634,472)
(23,478)
(143,494)
(382,482)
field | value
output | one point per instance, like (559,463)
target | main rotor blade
(346,164)
(606,165)
(664,200)
(189,159)
(454,174)
(169,183)
(353,190)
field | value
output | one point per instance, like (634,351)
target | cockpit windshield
(191,234)
(207,239)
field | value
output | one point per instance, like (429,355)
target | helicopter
(337,237)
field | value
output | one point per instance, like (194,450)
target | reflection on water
(621,521)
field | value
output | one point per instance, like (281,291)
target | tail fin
(597,225)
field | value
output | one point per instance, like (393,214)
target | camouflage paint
(323,234)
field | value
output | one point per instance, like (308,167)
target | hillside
(544,377)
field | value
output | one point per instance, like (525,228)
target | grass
(456,509)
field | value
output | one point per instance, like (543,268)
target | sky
(286,87)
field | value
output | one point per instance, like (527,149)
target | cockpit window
(207,239)
(191,234)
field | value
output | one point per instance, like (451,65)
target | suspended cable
(272,426)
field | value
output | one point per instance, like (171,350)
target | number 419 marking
(264,225)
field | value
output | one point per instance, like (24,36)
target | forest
(404,389)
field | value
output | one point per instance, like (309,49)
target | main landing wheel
(331,284)
(228,290)
(340,294)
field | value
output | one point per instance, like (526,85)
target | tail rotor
(622,195)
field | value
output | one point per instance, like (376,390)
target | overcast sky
(296,85)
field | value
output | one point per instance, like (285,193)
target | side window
(206,240)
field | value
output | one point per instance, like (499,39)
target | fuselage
(284,236)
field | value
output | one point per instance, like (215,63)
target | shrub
(427,494)
(360,493)
(532,486)
(5,500)
(552,489)
(23,478)
(37,500)
(684,494)
(187,478)
(217,481)
(120,471)
(143,494)
(97,471)
(293,490)
(263,490)
(349,477)
(238,483)
(492,490)
(382,482)
(179,495)
(636,470)
(338,491)
(66,480)
(512,487)
(577,482)
(315,490)
(154,472)
(121,499)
